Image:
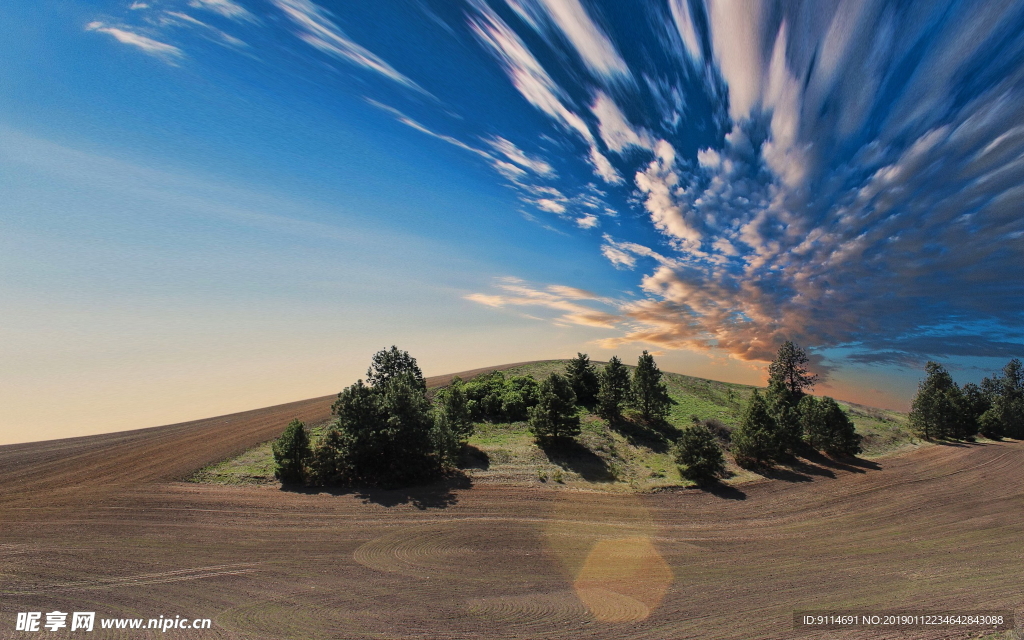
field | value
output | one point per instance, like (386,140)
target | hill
(626,457)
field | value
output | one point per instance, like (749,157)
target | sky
(208,206)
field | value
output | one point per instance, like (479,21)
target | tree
(554,416)
(972,403)
(518,394)
(291,453)
(614,389)
(1006,393)
(933,412)
(583,378)
(650,395)
(698,454)
(788,381)
(452,412)
(756,441)
(330,463)
(790,369)
(392,363)
(827,428)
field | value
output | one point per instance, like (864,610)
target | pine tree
(827,428)
(756,441)
(554,416)
(788,382)
(330,464)
(649,393)
(583,378)
(291,453)
(614,390)
(933,412)
(698,454)
(452,410)
(392,363)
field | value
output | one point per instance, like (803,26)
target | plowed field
(104,524)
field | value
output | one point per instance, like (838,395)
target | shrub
(291,453)
(555,414)
(698,454)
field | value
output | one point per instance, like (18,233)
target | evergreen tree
(649,394)
(330,464)
(790,369)
(583,377)
(614,390)
(972,403)
(757,440)
(788,381)
(554,416)
(933,412)
(1007,397)
(518,394)
(452,411)
(392,363)
(698,454)
(291,453)
(827,428)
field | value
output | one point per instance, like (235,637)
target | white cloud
(683,19)
(737,28)
(616,132)
(660,183)
(534,83)
(592,44)
(226,8)
(588,221)
(319,31)
(516,155)
(148,45)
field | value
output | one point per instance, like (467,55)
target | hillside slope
(625,457)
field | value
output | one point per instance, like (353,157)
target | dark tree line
(944,409)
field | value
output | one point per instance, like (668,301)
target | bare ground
(102,523)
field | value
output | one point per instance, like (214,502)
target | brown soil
(103,524)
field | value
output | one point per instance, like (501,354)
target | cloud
(588,40)
(516,155)
(615,130)
(226,8)
(153,47)
(317,30)
(535,84)
(567,302)
(177,18)
(683,18)
(588,221)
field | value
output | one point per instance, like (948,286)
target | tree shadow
(641,435)
(721,490)
(784,474)
(846,464)
(573,456)
(440,494)
(474,458)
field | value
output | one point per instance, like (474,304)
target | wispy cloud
(226,8)
(162,50)
(587,38)
(535,84)
(572,305)
(318,30)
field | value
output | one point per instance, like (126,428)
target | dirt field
(103,524)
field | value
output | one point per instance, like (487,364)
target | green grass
(627,457)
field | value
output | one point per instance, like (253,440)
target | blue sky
(213,205)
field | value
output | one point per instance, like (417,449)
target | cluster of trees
(386,432)
(609,392)
(944,409)
(786,419)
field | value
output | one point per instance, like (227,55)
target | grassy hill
(627,457)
